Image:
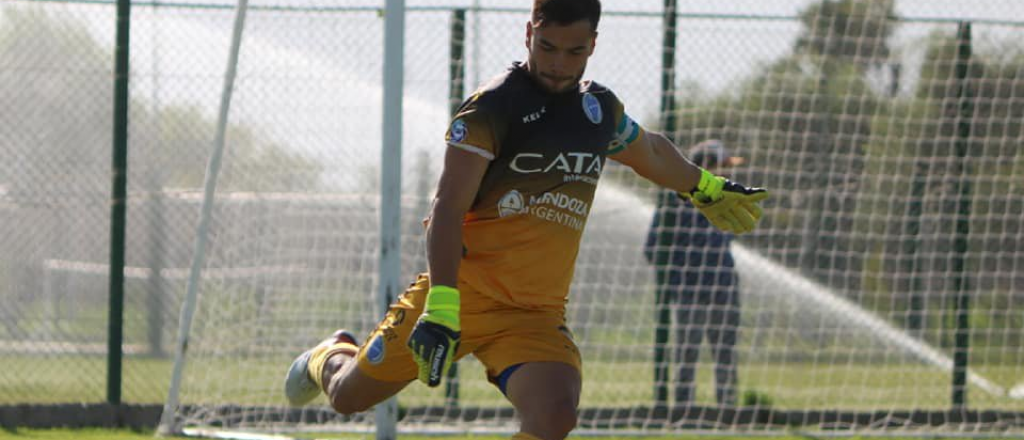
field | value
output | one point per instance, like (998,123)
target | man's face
(558,53)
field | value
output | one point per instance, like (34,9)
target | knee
(553,422)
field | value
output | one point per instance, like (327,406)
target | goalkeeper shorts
(498,335)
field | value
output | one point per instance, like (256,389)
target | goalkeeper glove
(729,206)
(435,337)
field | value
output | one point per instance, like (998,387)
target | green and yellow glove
(729,206)
(435,337)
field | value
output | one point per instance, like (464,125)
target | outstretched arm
(729,206)
(657,159)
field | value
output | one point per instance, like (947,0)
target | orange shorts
(500,336)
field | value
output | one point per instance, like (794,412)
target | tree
(51,71)
(854,31)
(810,114)
(59,79)
(56,83)
(912,150)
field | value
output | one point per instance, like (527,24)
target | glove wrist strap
(442,306)
(709,188)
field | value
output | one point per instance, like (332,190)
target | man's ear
(529,34)
(593,43)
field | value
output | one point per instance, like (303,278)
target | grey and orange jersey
(547,152)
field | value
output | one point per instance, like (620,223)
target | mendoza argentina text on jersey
(547,152)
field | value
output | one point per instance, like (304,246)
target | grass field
(111,434)
(63,379)
(74,434)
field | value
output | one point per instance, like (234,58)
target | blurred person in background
(696,276)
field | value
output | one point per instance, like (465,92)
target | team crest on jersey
(375,350)
(457,131)
(592,108)
(511,203)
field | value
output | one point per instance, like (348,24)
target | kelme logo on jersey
(457,132)
(511,203)
(592,108)
(375,350)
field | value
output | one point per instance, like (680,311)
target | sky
(312,79)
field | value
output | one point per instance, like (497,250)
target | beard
(554,85)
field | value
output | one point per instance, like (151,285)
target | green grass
(75,434)
(63,379)
(120,434)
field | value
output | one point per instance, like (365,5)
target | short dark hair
(564,12)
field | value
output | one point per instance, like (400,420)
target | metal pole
(168,421)
(911,263)
(456,88)
(156,291)
(670,22)
(118,205)
(390,269)
(664,241)
(961,281)
(910,247)
(477,59)
(457,60)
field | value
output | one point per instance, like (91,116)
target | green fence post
(664,241)
(961,284)
(456,88)
(118,205)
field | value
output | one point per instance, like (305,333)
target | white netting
(896,200)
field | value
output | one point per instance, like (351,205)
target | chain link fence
(303,149)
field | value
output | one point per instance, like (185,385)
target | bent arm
(456,190)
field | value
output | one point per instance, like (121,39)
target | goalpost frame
(390,268)
(168,423)
(389,272)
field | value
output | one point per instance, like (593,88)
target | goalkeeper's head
(713,156)
(560,38)
(565,12)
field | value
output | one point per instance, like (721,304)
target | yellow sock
(524,436)
(320,356)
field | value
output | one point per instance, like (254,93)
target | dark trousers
(712,312)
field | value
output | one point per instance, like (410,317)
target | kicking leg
(349,389)
(355,379)
(327,367)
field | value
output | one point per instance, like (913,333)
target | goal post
(390,250)
(848,316)
(169,424)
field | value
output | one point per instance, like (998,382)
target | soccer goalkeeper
(523,159)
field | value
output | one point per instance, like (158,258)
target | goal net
(881,291)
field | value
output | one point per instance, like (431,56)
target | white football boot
(298,386)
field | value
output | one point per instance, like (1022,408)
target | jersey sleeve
(627,131)
(473,129)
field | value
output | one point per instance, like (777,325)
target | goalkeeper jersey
(547,152)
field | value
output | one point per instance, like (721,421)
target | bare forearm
(444,247)
(666,166)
